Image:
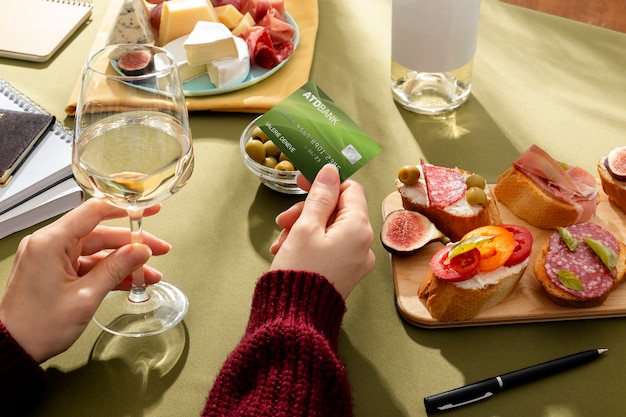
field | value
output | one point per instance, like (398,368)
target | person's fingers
(87,263)
(302,182)
(287,218)
(111,271)
(83,219)
(275,246)
(151,276)
(103,237)
(322,199)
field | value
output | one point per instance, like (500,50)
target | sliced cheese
(186,72)
(209,41)
(246,22)
(228,15)
(230,71)
(178,18)
(132,25)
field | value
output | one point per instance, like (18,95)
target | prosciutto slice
(262,50)
(572,185)
(280,29)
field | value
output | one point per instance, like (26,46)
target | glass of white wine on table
(132,148)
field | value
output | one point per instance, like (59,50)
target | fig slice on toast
(615,163)
(404,232)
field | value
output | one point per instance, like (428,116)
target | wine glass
(132,148)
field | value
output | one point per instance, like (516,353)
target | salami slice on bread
(546,194)
(440,195)
(587,280)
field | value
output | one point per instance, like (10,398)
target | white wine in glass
(133,149)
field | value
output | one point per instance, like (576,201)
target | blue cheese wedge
(186,72)
(230,71)
(132,25)
(209,41)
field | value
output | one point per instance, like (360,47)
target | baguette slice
(566,299)
(459,301)
(527,201)
(455,220)
(616,190)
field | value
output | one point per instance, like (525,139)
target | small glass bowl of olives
(263,158)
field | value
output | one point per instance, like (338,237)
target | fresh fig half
(404,232)
(137,62)
(615,163)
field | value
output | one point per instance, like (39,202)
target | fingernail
(328,175)
(137,253)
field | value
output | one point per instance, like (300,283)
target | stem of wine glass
(138,292)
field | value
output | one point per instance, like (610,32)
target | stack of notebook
(42,185)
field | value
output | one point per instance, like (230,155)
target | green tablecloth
(537,79)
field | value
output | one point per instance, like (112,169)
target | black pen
(486,388)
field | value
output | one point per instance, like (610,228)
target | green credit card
(312,131)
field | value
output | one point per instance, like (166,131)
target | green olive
(258,134)
(271,149)
(475,180)
(270,162)
(283,157)
(476,195)
(285,166)
(409,174)
(255,150)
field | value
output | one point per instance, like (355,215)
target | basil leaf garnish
(570,241)
(606,254)
(570,280)
(467,245)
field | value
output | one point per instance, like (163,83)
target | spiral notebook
(33,30)
(43,186)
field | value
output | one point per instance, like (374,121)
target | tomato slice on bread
(458,268)
(523,243)
(495,251)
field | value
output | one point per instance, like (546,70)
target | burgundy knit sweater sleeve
(286,363)
(21,378)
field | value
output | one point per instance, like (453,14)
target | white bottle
(433,43)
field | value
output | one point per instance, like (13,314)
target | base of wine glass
(165,308)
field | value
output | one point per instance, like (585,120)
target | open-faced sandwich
(476,273)
(580,265)
(455,200)
(546,193)
(612,170)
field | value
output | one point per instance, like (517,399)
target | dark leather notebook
(19,134)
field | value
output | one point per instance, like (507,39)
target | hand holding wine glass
(132,149)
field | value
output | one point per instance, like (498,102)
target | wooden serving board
(528,303)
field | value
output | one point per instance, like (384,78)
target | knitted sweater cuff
(301,297)
(21,377)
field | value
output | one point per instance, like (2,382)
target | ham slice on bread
(545,193)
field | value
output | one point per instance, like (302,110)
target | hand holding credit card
(312,131)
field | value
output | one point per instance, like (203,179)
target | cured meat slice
(280,29)
(572,185)
(583,262)
(444,185)
(262,51)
